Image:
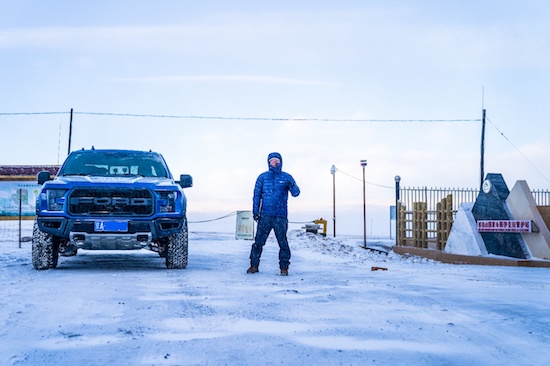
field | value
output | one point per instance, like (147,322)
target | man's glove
(256,217)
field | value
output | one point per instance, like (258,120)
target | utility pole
(70,131)
(482,162)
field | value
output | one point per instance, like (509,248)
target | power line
(29,113)
(274,118)
(372,184)
(246,118)
(518,150)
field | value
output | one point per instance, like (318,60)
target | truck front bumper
(138,232)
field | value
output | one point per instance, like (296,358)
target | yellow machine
(314,228)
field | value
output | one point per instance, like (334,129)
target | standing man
(270,210)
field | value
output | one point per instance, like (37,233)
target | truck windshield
(114,163)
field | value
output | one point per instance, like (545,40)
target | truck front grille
(111,202)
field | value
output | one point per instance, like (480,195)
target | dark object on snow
(378,269)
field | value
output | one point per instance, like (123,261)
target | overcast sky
(260,67)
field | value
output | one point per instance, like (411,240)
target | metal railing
(432,196)
(541,197)
(425,215)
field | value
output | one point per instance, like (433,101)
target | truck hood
(133,180)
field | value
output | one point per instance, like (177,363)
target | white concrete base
(523,207)
(464,238)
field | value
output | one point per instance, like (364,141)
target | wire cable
(30,113)
(275,118)
(244,118)
(216,219)
(373,184)
(518,150)
(301,222)
(235,213)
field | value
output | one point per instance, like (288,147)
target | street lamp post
(364,164)
(333,172)
(397,180)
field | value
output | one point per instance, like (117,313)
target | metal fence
(432,196)
(541,196)
(425,215)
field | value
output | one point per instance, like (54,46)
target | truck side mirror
(43,177)
(186,181)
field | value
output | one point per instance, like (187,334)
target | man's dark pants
(280,227)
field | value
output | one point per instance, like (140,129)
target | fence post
(448,219)
(397,225)
(440,218)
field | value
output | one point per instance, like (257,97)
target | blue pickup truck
(111,200)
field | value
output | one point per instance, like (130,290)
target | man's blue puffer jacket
(271,190)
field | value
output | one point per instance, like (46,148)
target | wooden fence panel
(429,223)
(401,224)
(420,224)
(444,221)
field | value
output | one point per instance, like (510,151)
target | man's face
(274,162)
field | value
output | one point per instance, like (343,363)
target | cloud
(83,37)
(227,78)
(354,37)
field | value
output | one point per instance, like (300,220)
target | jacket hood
(278,156)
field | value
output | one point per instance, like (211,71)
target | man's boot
(252,269)
(284,271)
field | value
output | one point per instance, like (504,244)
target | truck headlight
(167,201)
(55,199)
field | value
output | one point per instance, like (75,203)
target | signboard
(9,198)
(245,225)
(505,226)
(393,213)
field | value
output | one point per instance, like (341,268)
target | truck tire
(44,252)
(177,248)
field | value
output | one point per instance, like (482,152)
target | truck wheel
(177,248)
(44,252)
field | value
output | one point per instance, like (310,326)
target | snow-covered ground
(125,308)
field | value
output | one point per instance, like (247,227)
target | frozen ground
(125,308)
